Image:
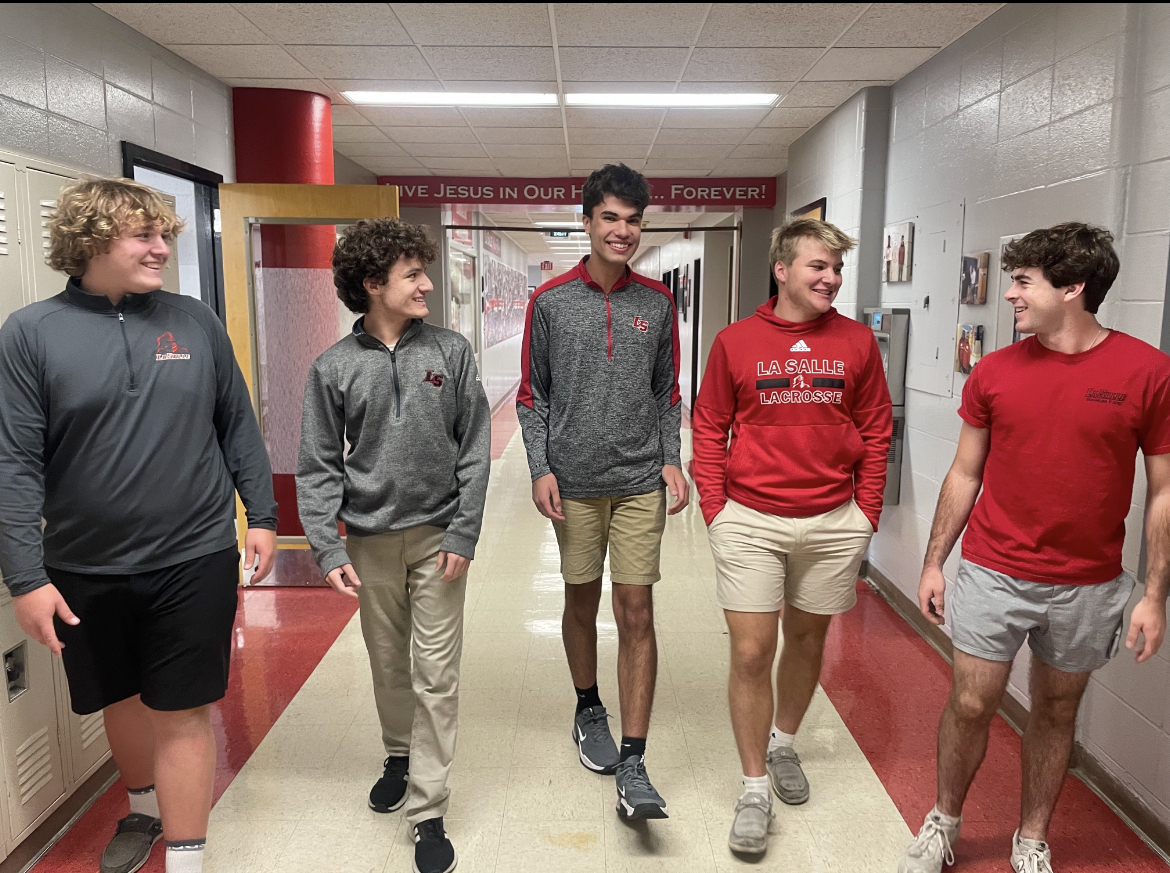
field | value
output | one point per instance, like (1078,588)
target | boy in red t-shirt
(1068,409)
(792,500)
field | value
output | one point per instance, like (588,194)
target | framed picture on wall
(898,259)
(816,210)
(973,279)
(968,347)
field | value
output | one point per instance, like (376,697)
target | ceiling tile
(689,172)
(643,65)
(385,84)
(759,151)
(352,61)
(534,117)
(468,165)
(370,149)
(777,24)
(532,168)
(595,151)
(534,135)
(358,133)
(620,87)
(422,150)
(314,85)
(342,23)
(505,24)
(395,169)
(850,64)
(431,134)
(752,87)
(752,167)
(188,23)
(782,116)
(242,61)
(692,118)
(412,116)
(730,135)
(636,24)
(491,64)
(618,135)
(534,86)
(677,164)
(774,135)
(690,152)
(831,94)
(749,64)
(622,118)
(584,165)
(523,150)
(343,114)
(904,24)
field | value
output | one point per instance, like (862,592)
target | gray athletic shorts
(1074,628)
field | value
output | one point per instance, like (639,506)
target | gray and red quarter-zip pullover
(599,402)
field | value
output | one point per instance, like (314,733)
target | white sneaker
(932,847)
(1030,856)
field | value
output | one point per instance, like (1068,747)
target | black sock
(632,746)
(587,697)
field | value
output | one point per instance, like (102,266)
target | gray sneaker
(749,831)
(786,775)
(636,796)
(595,745)
(131,845)
(932,847)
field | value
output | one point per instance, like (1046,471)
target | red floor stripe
(890,687)
(280,636)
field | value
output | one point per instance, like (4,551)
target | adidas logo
(801,346)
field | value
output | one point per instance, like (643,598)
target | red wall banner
(752,193)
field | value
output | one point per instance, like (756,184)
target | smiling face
(403,295)
(1040,307)
(808,286)
(614,229)
(133,264)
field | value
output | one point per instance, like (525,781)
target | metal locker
(43,189)
(84,735)
(28,725)
(11,286)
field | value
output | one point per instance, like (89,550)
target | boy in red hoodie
(791,500)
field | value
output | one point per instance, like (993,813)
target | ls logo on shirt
(641,324)
(434,378)
(168,349)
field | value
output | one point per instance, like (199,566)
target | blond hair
(786,238)
(92,213)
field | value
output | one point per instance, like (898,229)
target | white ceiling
(815,56)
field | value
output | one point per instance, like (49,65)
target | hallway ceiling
(815,56)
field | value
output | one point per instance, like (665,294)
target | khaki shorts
(631,527)
(763,561)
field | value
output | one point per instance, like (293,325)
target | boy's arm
(664,383)
(532,400)
(473,432)
(712,420)
(321,470)
(873,416)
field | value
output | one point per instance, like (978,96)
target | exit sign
(546,265)
(559,234)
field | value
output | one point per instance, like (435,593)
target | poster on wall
(505,298)
(968,347)
(898,260)
(816,210)
(973,281)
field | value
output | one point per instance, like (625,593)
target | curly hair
(787,237)
(618,180)
(370,249)
(92,213)
(1068,254)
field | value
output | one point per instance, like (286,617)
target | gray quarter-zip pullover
(129,429)
(419,431)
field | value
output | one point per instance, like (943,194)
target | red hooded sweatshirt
(808,412)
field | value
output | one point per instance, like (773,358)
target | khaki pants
(412,622)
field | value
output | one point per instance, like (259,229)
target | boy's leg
(184,771)
(437,626)
(976,692)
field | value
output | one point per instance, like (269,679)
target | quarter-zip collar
(767,311)
(372,342)
(583,275)
(75,295)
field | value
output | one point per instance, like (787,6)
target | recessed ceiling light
(449,98)
(669,100)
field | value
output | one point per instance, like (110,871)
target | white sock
(951,821)
(756,785)
(185,856)
(778,739)
(144,802)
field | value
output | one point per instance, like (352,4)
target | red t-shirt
(1065,430)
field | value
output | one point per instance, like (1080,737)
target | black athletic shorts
(166,634)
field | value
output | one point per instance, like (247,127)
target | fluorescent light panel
(671,100)
(449,98)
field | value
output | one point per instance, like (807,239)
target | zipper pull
(121,319)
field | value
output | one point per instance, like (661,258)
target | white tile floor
(520,800)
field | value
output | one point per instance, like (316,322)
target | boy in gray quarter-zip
(406,396)
(126,424)
(600,408)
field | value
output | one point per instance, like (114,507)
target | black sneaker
(433,852)
(131,845)
(389,792)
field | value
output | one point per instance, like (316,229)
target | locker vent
(34,765)
(47,207)
(892,454)
(92,729)
(3,224)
